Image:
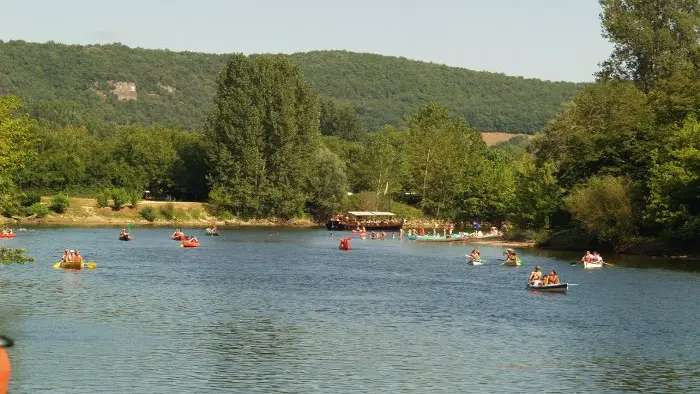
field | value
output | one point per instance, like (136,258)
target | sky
(547,39)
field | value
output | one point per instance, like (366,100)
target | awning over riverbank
(368,213)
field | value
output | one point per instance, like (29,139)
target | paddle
(89,265)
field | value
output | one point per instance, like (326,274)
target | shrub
(224,214)
(602,206)
(168,211)
(38,209)
(9,207)
(11,255)
(195,213)
(119,197)
(60,203)
(30,198)
(134,198)
(103,198)
(148,213)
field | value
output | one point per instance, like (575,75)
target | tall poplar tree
(657,46)
(263,134)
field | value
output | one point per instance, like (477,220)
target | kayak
(125,238)
(512,263)
(560,288)
(8,235)
(75,266)
(440,238)
(178,237)
(190,244)
(213,234)
(475,261)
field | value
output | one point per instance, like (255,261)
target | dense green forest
(71,84)
(617,169)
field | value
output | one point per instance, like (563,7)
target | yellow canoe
(75,266)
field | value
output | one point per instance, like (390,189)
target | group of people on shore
(537,279)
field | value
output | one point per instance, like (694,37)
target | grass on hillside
(493,138)
(87,208)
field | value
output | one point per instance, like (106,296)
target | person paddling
(587,257)
(551,279)
(535,278)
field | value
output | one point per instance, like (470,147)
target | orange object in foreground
(5,369)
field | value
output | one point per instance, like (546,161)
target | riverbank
(84,212)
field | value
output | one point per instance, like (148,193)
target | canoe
(441,238)
(598,264)
(5,365)
(190,244)
(475,261)
(512,263)
(75,266)
(560,288)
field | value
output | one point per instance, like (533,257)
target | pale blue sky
(548,39)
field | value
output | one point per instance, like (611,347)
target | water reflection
(630,373)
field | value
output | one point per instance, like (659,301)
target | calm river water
(258,312)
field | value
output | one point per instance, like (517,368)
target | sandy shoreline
(101,221)
(98,221)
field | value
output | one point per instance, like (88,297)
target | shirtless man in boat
(535,278)
(475,254)
(551,279)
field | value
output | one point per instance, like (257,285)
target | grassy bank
(86,212)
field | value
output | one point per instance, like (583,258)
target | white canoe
(474,261)
(598,264)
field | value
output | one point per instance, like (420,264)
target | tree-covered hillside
(386,89)
(74,84)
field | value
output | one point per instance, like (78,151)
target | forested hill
(91,84)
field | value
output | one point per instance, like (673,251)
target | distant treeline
(70,84)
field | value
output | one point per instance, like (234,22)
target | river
(262,311)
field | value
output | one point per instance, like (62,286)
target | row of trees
(618,168)
(626,152)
